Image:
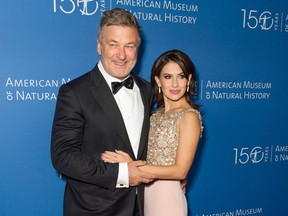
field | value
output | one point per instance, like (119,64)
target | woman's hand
(115,157)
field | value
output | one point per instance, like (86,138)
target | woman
(175,129)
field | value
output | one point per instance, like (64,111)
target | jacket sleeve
(66,142)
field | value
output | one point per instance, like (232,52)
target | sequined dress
(164,197)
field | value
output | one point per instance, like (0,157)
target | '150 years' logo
(86,7)
(258,154)
(254,155)
(265,20)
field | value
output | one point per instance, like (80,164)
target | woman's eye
(182,76)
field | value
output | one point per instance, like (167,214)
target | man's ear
(98,47)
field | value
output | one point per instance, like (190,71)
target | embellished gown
(164,197)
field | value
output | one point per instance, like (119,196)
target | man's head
(118,42)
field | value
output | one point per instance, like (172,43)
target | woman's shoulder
(190,113)
(193,116)
(193,111)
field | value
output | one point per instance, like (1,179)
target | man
(93,116)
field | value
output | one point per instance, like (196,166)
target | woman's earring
(187,90)
(159,89)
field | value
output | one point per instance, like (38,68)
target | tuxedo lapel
(105,99)
(145,127)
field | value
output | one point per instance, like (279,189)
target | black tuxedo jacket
(87,122)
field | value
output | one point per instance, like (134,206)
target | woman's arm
(189,130)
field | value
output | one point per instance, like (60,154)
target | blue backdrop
(240,52)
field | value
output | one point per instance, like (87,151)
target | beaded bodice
(163,137)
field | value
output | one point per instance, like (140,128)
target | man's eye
(130,46)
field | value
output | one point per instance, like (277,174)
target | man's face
(118,50)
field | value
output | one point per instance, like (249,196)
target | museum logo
(260,154)
(265,20)
(84,7)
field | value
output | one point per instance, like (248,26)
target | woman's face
(172,82)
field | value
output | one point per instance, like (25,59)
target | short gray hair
(119,17)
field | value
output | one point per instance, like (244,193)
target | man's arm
(67,139)
(136,175)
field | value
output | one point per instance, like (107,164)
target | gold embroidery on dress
(163,137)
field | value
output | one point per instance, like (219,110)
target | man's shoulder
(80,79)
(83,79)
(79,83)
(140,79)
(142,82)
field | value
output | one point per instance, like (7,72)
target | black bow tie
(116,86)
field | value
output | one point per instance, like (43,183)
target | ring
(112,161)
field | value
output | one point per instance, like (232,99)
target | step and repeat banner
(240,50)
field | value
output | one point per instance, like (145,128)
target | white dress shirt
(131,107)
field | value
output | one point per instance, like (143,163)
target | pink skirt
(165,197)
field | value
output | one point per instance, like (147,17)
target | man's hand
(136,176)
